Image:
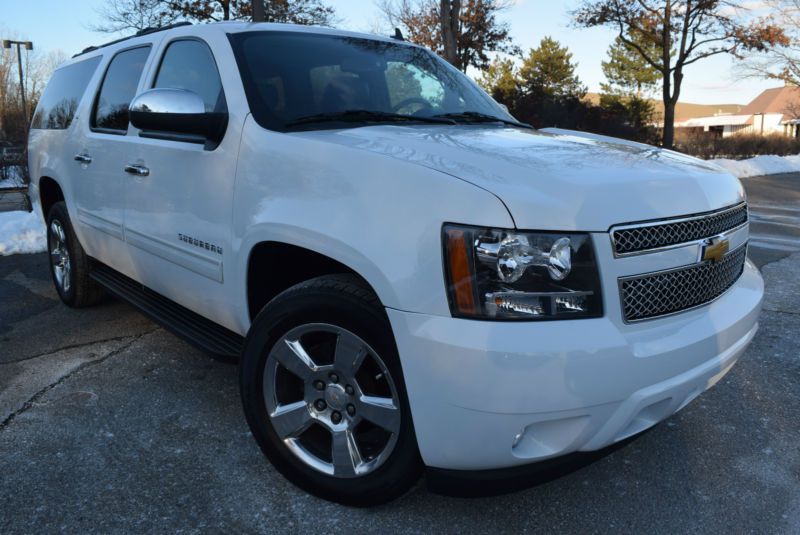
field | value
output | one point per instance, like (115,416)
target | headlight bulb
(514,254)
(513,258)
(559,261)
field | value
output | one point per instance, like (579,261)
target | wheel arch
(50,192)
(283,265)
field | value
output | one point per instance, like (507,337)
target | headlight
(505,274)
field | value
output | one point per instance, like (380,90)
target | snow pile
(21,232)
(761,165)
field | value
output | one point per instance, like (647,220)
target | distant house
(775,111)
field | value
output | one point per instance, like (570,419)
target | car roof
(227,27)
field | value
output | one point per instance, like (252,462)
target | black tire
(78,290)
(345,302)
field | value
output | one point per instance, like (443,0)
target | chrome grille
(645,236)
(667,292)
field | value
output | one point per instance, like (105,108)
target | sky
(65,25)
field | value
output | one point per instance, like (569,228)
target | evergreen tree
(500,80)
(548,70)
(627,72)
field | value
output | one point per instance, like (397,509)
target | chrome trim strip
(621,280)
(99,223)
(669,221)
(191,260)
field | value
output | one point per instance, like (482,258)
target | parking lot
(109,423)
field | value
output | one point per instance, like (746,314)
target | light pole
(28,46)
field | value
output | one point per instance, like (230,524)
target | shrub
(738,147)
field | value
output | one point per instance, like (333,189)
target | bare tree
(477,30)
(37,67)
(450,18)
(780,62)
(693,29)
(293,11)
(133,15)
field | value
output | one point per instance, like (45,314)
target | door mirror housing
(177,114)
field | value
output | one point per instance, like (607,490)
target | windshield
(308,81)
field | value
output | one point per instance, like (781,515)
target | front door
(178,194)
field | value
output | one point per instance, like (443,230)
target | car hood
(556,179)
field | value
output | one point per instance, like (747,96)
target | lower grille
(667,292)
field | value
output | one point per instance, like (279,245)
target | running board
(195,329)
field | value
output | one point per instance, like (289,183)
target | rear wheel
(70,266)
(324,395)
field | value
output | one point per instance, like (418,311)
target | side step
(203,333)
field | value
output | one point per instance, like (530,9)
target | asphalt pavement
(111,424)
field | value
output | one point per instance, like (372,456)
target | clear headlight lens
(504,274)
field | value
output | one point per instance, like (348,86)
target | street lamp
(28,46)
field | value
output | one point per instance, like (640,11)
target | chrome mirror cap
(168,101)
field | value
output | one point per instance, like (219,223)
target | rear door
(178,215)
(100,181)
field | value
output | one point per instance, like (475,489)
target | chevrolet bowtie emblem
(714,249)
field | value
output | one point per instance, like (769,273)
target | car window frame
(151,83)
(96,100)
(87,91)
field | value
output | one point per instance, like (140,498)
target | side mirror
(176,114)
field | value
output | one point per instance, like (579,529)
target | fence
(13,180)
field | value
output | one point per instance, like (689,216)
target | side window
(188,64)
(118,89)
(60,99)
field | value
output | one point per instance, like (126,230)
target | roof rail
(146,31)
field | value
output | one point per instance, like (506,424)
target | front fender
(377,215)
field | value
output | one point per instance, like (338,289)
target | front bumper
(488,395)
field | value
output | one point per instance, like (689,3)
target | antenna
(398,35)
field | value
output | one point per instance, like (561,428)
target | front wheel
(323,393)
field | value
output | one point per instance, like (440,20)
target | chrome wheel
(331,400)
(59,256)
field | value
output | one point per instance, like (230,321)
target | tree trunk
(668,138)
(259,13)
(449,14)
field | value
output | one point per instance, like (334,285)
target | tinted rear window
(60,100)
(119,88)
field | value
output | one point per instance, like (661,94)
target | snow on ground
(761,165)
(21,232)
(14,178)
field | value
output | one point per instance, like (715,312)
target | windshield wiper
(478,117)
(366,116)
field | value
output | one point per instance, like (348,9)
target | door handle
(138,170)
(83,158)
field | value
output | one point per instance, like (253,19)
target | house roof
(717,120)
(779,100)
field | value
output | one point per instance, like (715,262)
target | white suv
(410,277)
